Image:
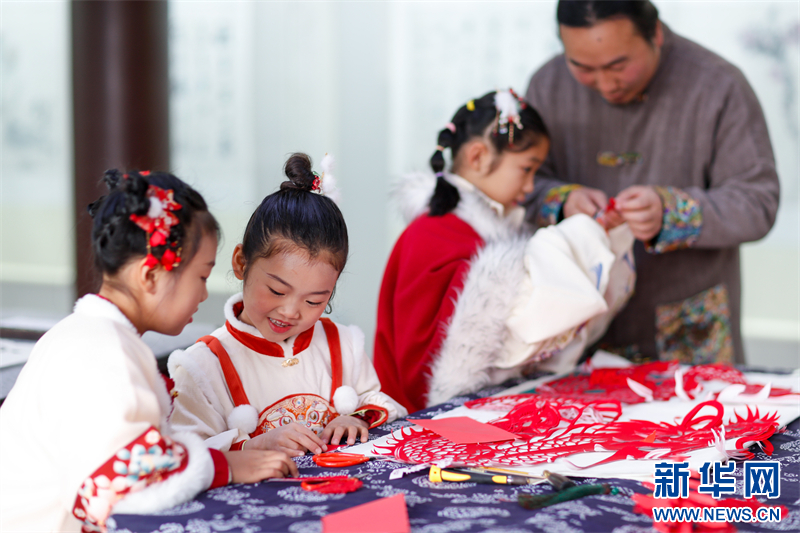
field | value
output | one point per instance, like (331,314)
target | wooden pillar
(120,91)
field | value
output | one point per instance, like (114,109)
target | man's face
(612,58)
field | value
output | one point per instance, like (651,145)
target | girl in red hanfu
(468,297)
(276,375)
(84,430)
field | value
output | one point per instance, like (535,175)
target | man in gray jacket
(675,135)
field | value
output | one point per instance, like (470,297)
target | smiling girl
(277,375)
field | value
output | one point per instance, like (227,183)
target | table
(437,508)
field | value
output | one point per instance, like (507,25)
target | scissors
(337,459)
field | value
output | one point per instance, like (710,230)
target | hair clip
(316,184)
(439,148)
(450,126)
(471,105)
(508,106)
(157,223)
(439,174)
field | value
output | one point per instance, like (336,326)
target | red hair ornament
(158,223)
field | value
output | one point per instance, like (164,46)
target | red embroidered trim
(297,408)
(149,458)
(221,471)
(263,346)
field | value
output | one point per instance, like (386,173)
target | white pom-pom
(156,209)
(244,418)
(345,400)
(506,104)
(328,184)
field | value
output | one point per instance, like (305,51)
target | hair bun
(298,170)
(112,178)
(135,186)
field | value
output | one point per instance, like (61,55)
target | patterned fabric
(309,410)
(150,458)
(696,330)
(442,507)
(551,211)
(683,220)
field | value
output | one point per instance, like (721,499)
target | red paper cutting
(658,376)
(550,428)
(387,515)
(465,430)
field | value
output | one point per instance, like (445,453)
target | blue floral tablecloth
(438,507)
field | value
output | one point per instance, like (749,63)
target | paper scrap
(465,430)
(386,515)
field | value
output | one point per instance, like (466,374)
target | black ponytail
(445,198)
(475,119)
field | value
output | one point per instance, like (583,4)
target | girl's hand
(336,429)
(584,200)
(251,466)
(641,207)
(293,439)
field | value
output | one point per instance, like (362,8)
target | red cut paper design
(659,377)
(550,428)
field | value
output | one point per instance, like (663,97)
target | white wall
(371,82)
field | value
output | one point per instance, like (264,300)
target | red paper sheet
(465,430)
(387,515)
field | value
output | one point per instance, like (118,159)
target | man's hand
(293,439)
(584,200)
(641,207)
(353,426)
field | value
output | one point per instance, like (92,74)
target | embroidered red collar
(262,345)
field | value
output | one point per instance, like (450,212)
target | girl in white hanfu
(276,375)
(84,431)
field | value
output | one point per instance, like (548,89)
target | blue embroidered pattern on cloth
(550,213)
(683,220)
(438,507)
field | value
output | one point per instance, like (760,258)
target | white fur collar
(414,191)
(95,306)
(231,317)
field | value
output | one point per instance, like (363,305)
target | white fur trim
(235,322)
(412,194)
(199,362)
(176,489)
(477,330)
(345,400)
(328,181)
(243,418)
(414,191)
(93,305)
